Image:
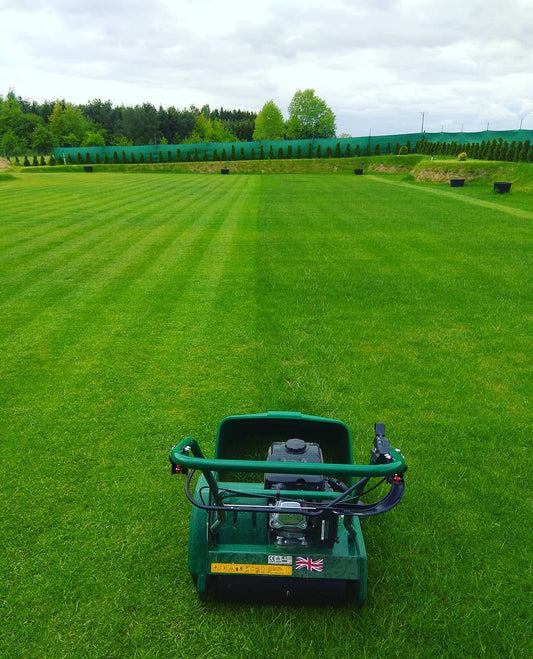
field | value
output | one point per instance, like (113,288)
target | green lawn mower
(276,512)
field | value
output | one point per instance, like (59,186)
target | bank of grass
(140,309)
(294,166)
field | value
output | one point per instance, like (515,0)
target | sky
(382,66)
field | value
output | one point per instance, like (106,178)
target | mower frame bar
(180,456)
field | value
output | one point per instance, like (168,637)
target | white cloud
(464,62)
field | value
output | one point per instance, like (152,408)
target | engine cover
(295,450)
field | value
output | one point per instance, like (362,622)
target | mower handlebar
(180,455)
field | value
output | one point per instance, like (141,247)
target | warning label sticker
(250,568)
(278,559)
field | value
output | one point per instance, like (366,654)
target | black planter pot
(358,172)
(88,168)
(457,182)
(224,171)
(502,186)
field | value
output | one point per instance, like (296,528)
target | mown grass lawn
(137,309)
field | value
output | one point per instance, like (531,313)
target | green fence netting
(313,148)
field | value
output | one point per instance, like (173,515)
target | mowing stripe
(469,200)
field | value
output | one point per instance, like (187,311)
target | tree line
(30,125)
(495,149)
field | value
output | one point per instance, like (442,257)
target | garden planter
(457,182)
(502,186)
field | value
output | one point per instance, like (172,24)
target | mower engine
(290,528)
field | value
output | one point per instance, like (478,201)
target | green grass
(140,309)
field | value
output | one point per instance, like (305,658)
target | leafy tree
(93,138)
(269,124)
(309,117)
(209,130)
(68,125)
(42,139)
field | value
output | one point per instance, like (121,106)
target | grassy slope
(136,310)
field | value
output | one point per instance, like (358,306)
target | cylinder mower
(276,512)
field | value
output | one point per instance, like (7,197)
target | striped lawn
(140,308)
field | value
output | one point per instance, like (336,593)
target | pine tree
(97,159)
(215,154)
(252,153)
(52,161)
(377,150)
(271,153)
(299,152)
(348,151)
(329,152)
(106,159)
(115,158)
(178,155)
(367,150)
(280,153)
(261,153)
(310,150)
(169,156)
(35,162)
(319,151)
(160,156)
(196,156)
(151,158)
(79,159)
(338,150)
(223,155)
(357,152)
(242,155)
(289,152)
(388,148)
(396,148)
(233,155)
(43,161)
(133,160)
(26,161)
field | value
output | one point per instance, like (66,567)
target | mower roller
(276,512)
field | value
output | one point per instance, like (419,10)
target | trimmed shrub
(115,158)
(403,150)
(280,153)
(26,161)
(338,150)
(52,161)
(299,152)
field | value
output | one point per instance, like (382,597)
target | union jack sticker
(311,564)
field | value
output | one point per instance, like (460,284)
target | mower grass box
(276,512)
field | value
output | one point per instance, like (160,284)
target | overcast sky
(377,63)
